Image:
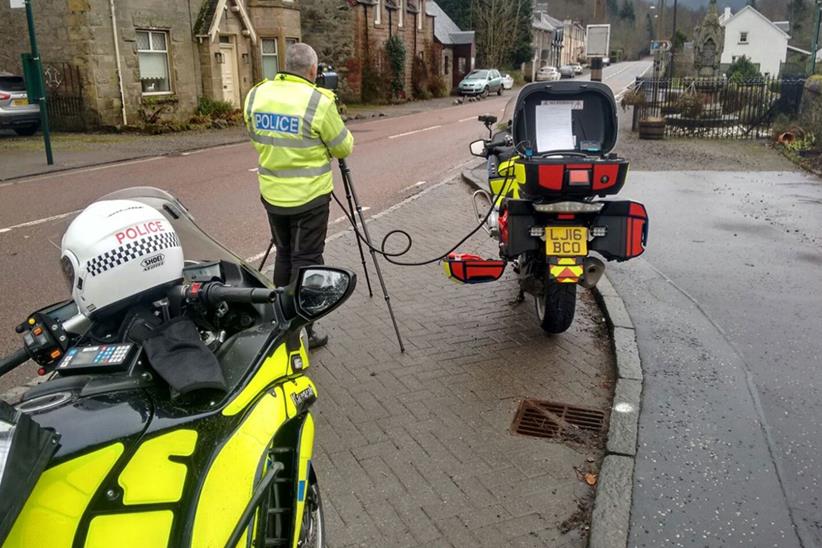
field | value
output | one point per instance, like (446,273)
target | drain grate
(545,419)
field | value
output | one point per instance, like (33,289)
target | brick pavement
(414,449)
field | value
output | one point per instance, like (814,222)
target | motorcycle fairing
(54,510)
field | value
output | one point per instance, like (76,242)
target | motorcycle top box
(564,133)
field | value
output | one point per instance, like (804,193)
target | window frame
(743,37)
(378,13)
(401,20)
(263,54)
(167,51)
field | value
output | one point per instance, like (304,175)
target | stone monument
(709,39)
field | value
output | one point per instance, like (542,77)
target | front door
(231,87)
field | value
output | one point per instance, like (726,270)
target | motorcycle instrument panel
(103,357)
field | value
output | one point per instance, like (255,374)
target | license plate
(566,241)
(19,102)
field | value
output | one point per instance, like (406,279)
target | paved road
(727,303)
(394,158)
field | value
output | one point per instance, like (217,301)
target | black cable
(410,241)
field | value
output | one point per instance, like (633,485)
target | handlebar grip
(216,293)
(10,362)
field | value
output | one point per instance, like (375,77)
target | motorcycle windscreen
(25,451)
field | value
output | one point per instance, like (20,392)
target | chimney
(727,13)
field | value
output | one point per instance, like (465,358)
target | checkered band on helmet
(132,250)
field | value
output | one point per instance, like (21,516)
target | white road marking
(39,221)
(415,185)
(413,132)
(467,119)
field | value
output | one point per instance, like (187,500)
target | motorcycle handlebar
(214,293)
(10,362)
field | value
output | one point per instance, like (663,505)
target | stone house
(454,49)
(366,25)
(547,35)
(115,63)
(573,42)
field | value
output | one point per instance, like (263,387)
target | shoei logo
(137,231)
(153,262)
(277,122)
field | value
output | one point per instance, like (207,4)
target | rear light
(503,227)
(4,96)
(570,207)
(579,177)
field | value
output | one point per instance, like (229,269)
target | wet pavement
(727,303)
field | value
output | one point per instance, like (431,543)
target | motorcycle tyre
(317,515)
(556,307)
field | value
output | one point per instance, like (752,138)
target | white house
(749,33)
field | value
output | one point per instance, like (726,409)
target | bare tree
(498,29)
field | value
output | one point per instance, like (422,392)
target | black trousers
(300,241)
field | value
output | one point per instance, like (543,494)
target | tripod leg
(347,177)
(352,212)
(267,253)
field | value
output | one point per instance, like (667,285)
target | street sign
(17,4)
(660,45)
(597,40)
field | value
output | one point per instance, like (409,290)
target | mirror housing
(321,289)
(478,149)
(487,119)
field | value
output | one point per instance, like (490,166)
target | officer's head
(301,59)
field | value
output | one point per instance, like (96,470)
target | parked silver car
(507,81)
(481,82)
(15,111)
(566,71)
(547,74)
(577,68)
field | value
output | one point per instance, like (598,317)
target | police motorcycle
(176,406)
(549,159)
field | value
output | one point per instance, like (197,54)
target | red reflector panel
(634,246)
(503,227)
(565,216)
(550,176)
(579,177)
(605,176)
(637,210)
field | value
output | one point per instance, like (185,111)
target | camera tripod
(355,216)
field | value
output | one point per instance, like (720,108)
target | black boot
(316,337)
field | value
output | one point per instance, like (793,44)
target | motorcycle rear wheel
(556,307)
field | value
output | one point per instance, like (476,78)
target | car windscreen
(477,75)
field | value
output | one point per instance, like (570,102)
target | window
(271,58)
(402,13)
(152,58)
(378,12)
(421,14)
(743,37)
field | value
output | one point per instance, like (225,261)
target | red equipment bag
(472,269)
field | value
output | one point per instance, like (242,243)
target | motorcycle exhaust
(593,270)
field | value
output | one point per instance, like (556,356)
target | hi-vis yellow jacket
(296,129)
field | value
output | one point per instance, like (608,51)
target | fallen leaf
(591,479)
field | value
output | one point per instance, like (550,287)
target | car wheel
(499,90)
(26,131)
(484,93)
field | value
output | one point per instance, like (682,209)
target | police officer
(296,129)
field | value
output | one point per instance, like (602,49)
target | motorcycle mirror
(478,148)
(487,119)
(321,289)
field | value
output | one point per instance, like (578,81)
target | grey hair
(299,58)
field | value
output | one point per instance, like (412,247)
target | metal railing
(717,108)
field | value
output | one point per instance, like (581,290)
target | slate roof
(445,30)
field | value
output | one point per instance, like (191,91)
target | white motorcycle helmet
(117,251)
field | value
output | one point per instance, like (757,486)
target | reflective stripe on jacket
(296,129)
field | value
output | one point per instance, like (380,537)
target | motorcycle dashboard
(203,272)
